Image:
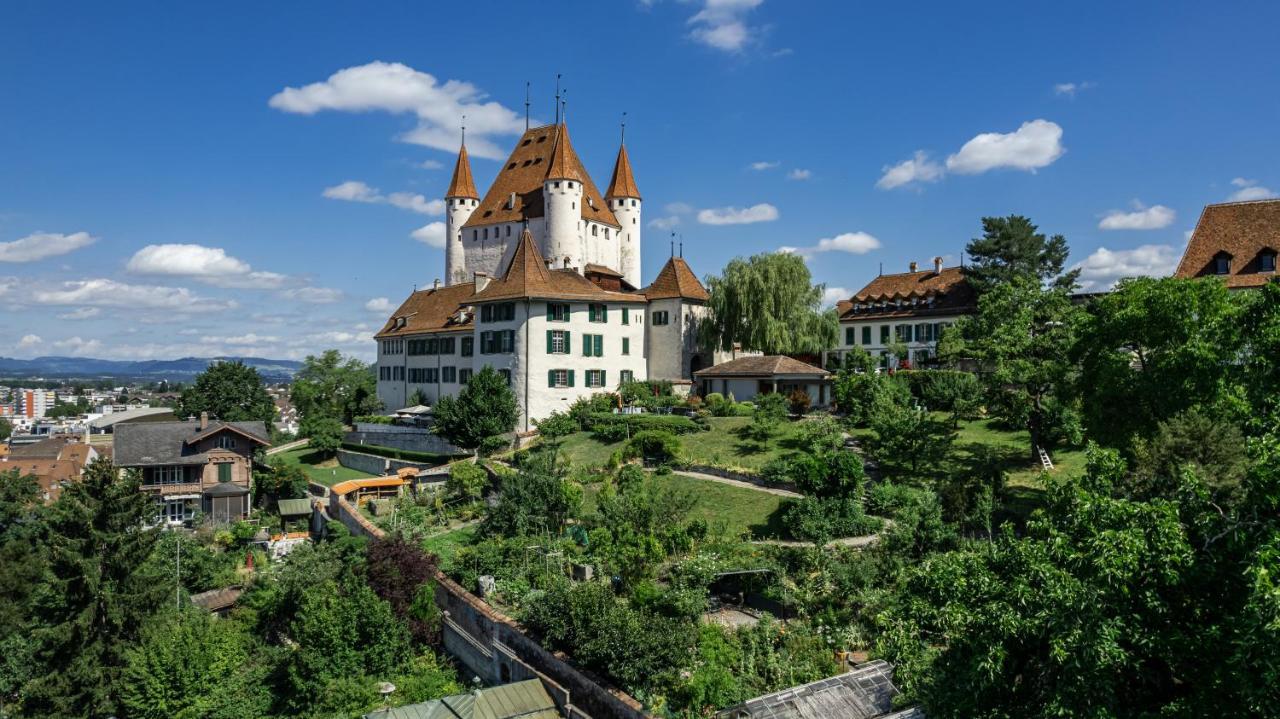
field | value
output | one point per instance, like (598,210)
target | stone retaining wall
(740,476)
(378,465)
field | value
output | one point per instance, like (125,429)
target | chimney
(435,285)
(913,267)
(937,265)
(482,281)
(204,421)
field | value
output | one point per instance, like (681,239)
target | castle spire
(462,185)
(564,161)
(623,183)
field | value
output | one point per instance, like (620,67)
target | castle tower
(562,190)
(460,201)
(623,197)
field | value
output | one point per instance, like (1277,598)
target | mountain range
(180,370)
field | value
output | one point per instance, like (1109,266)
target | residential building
(34,403)
(194,467)
(56,462)
(1236,242)
(746,377)
(551,303)
(909,309)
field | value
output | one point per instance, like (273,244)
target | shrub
(819,520)
(661,447)
(599,403)
(821,435)
(466,481)
(492,445)
(799,401)
(604,425)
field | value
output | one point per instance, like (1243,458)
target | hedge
(615,427)
(391,452)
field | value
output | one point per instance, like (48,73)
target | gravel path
(739,483)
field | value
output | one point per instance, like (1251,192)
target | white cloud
(40,245)
(919,168)
(1070,89)
(1034,145)
(1141,218)
(431,164)
(84,313)
(430,234)
(764,165)
(721,24)
(379,304)
(356,191)
(799,174)
(246,340)
(854,243)
(398,88)
(313,295)
(29,342)
(211,265)
(832,295)
(102,292)
(679,208)
(1102,269)
(763,212)
(669,222)
(78,347)
(1250,190)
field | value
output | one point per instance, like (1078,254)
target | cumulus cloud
(356,191)
(764,165)
(40,245)
(1141,218)
(399,89)
(430,234)
(854,243)
(668,222)
(210,265)
(78,347)
(1069,89)
(102,292)
(799,174)
(722,24)
(1102,269)
(250,339)
(763,212)
(1250,190)
(917,169)
(1035,144)
(84,313)
(29,342)
(313,295)
(379,305)
(832,295)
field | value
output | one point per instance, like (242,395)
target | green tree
(280,480)
(418,398)
(94,599)
(467,481)
(769,303)
(909,438)
(6,429)
(22,564)
(1012,248)
(486,407)
(323,432)
(335,387)
(229,391)
(533,500)
(1261,325)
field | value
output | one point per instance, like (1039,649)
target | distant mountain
(181,370)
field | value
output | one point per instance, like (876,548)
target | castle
(542,283)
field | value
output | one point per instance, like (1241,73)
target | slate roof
(526,700)
(623,183)
(462,184)
(139,444)
(1244,230)
(675,279)
(528,277)
(216,600)
(762,366)
(865,692)
(949,289)
(431,310)
(536,154)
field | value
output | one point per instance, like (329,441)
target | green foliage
(656,446)
(1261,325)
(798,401)
(768,303)
(418,398)
(820,519)
(959,393)
(6,429)
(533,500)
(859,393)
(324,433)
(557,426)
(334,387)
(650,394)
(819,436)
(770,411)
(617,427)
(280,480)
(1212,447)
(645,521)
(467,481)
(229,391)
(22,564)
(908,438)
(484,408)
(1012,249)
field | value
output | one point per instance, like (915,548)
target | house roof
(527,276)
(623,183)
(1241,229)
(949,289)
(538,152)
(293,507)
(50,474)
(110,420)
(431,310)
(138,444)
(527,700)
(462,185)
(762,366)
(675,279)
(216,427)
(217,599)
(864,692)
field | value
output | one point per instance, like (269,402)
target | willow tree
(768,302)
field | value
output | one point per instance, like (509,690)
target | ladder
(1044,459)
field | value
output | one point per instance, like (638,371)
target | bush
(616,427)
(799,401)
(374,419)
(393,453)
(819,520)
(492,445)
(944,390)
(466,481)
(660,447)
(649,394)
(583,407)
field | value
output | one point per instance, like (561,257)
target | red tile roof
(761,366)
(462,185)
(527,276)
(676,280)
(1243,230)
(433,310)
(950,291)
(623,183)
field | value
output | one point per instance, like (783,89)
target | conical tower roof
(462,185)
(564,161)
(676,280)
(623,183)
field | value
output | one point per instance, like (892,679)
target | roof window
(1267,261)
(1222,263)
(542,138)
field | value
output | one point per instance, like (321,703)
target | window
(397,374)
(626,375)
(560,378)
(505,374)
(597,313)
(595,378)
(468,346)
(417,375)
(392,347)
(417,347)
(501,312)
(433,375)
(866,335)
(475,234)
(464,375)
(848,335)
(593,345)
(1221,263)
(449,374)
(508,230)
(557,312)
(557,342)
(166,475)
(224,472)
(497,342)
(1267,261)
(924,332)
(384,373)
(660,318)
(903,333)
(225,441)
(593,230)
(176,511)
(884,334)
(447,345)
(626,345)
(626,314)
(433,346)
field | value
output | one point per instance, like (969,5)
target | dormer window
(1267,261)
(1222,263)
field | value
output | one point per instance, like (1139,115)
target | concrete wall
(411,439)
(375,464)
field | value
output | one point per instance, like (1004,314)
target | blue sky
(164,166)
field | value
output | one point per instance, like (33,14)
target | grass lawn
(723,446)
(446,544)
(724,507)
(1015,447)
(321,471)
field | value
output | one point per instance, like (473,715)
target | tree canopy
(486,407)
(1013,247)
(768,302)
(331,386)
(229,391)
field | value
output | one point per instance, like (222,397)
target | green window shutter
(570,378)
(626,315)
(866,335)
(586,345)
(591,313)
(604,313)
(626,345)
(224,472)
(568,347)
(551,378)
(603,381)
(549,345)
(599,340)
(551,311)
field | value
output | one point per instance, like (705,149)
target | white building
(541,284)
(910,309)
